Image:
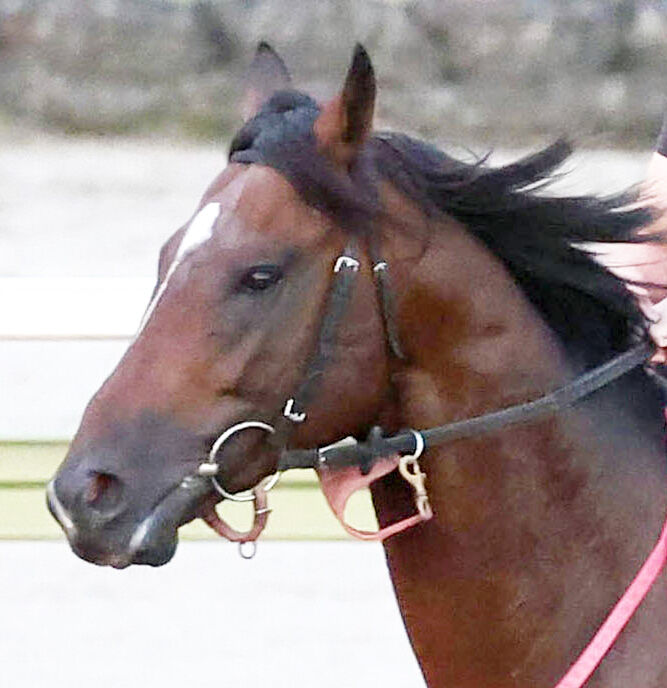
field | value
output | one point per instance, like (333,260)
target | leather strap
(345,272)
(385,297)
(349,452)
(340,484)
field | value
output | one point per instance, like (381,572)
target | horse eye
(261,277)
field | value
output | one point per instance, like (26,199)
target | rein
(350,452)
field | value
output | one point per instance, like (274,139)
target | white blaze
(199,231)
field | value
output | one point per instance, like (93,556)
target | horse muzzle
(119,543)
(111,519)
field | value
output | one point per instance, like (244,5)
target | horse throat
(537,529)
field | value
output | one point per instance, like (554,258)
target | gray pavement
(299,615)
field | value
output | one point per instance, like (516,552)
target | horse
(372,281)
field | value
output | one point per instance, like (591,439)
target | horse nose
(103,493)
(86,499)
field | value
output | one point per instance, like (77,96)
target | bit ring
(210,467)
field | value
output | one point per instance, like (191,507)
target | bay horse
(527,534)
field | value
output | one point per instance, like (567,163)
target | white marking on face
(199,231)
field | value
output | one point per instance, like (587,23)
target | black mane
(534,234)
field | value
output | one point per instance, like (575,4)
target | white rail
(71,309)
(59,339)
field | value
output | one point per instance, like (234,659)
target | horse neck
(537,529)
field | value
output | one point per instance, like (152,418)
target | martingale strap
(619,616)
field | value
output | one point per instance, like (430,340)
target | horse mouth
(153,541)
(149,535)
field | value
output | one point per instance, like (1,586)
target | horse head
(231,330)
(272,328)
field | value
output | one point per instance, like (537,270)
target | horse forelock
(281,136)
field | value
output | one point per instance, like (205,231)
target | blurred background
(114,117)
(497,71)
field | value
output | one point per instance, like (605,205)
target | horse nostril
(103,492)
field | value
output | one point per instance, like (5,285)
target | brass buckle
(409,467)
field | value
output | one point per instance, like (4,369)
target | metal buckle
(346,262)
(294,416)
(409,467)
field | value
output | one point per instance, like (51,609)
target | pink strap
(581,670)
(340,484)
(262,511)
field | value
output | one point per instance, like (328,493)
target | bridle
(379,455)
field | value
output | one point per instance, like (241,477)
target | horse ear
(266,75)
(345,122)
